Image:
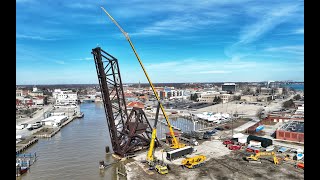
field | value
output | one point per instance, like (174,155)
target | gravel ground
(221,163)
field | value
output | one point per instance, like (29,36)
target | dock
(23,146)
(56,129)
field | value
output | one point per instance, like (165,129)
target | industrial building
(229,87)
(260,98)
(210,95)
(291,131)
(170,93)
(54,121)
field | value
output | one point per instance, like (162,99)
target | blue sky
(178,41)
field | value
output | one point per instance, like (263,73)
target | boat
(80,115)
(20,170)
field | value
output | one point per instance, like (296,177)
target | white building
(169,93)
(38,101)
(54,120)
(210,95)
(36,92)
(19,92)
(65,97)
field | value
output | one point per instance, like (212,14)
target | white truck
(256,144)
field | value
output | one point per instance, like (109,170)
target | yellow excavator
(152,161)
(175,144)
(193,162)
(257,156)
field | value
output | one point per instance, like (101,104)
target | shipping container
(175,154)
(265,142)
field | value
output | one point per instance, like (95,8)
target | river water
(75,151)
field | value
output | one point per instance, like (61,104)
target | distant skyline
(178,41)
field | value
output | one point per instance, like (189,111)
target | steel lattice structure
(127,133)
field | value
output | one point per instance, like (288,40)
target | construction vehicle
(257,156)
(300,165)
(194,161)
(175,143)
(160,167)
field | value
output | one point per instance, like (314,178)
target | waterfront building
(65,97)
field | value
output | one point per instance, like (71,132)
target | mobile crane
(160,167)
(175,144)
(257,156)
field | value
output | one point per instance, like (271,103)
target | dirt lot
(236,123)
(44,131)
(221,163)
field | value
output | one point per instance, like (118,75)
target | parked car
(219,128)
(296,151)
(226,142)
(282,149)
(252,149)
(19,127)
(210,133)
(206,136)
(29,127)
(194,142)
(36,125)
(234,147)
(270,148)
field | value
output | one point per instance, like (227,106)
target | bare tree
(260,113)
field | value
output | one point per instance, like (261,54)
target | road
(276,105)
(36,117)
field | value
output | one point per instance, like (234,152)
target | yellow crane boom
(150,155)
(175,142)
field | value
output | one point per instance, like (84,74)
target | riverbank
(43,132)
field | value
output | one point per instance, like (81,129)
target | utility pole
(232,127)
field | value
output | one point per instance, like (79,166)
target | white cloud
(86,59)
(82,5)
(288,49)
(299,31)
(180,23)
(214,72)
(266,22)
(23,36)
(157,66)
(200,66)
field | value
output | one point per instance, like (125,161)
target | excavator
(193,162)
(152,161)
(175,144)
(257,156)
